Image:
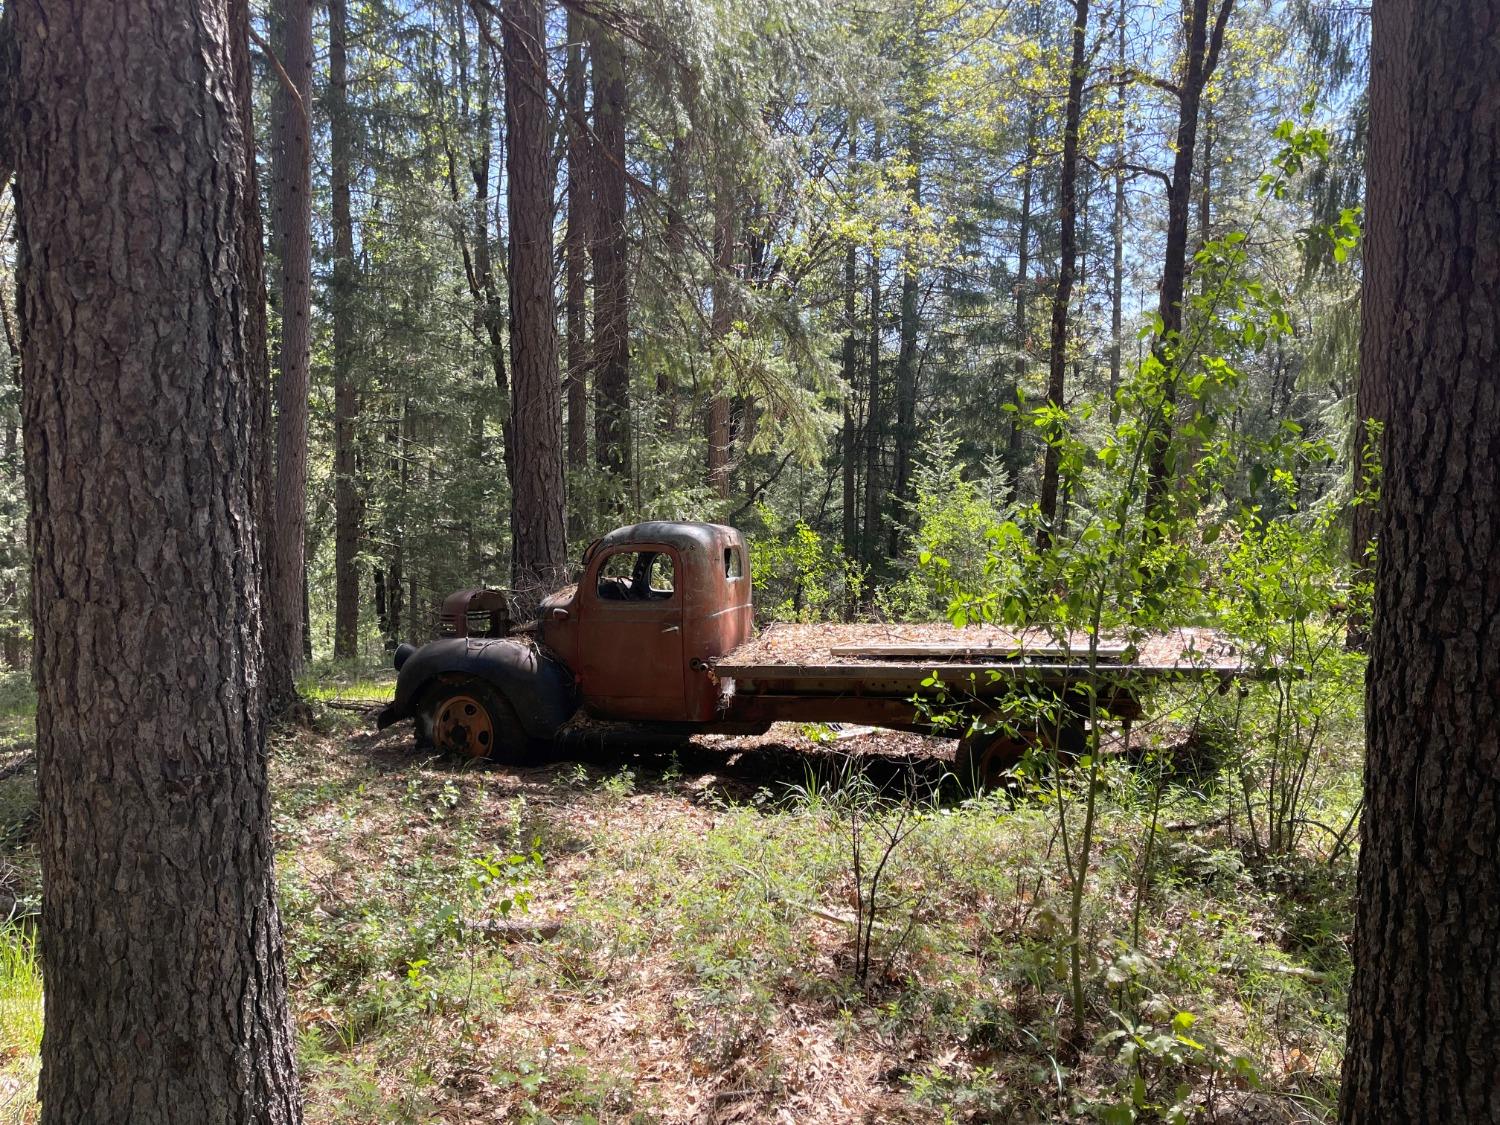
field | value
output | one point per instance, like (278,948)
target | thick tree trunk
(716,417)
(161,946)
(1067,268)
(611,281)
(348,501)
(1202,58)
(539,541)
(1424,1011)
(576,249)
(293,206)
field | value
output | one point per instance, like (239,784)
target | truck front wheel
(472,719)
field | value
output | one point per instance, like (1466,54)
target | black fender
(538,687)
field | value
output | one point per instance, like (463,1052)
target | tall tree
(1067,262)
(1117,218)
(910,321)
(850,437)
(1425,1006)
(611,337)
(1200,60)
(576,243)
(292,233)
(539,541)
(161,945)
(347,494)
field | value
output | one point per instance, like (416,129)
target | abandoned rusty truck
(658,636)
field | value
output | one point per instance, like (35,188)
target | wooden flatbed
(867,673)
(913,653)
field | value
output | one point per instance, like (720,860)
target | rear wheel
(472,719)
(983,761)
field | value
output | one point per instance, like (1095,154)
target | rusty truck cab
(654,605)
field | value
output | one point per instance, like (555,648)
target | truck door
(630,644)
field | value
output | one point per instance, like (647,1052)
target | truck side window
(734,567)
(637,576)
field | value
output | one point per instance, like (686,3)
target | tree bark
(348,502)
(1425,1005)
(161,945)
(538,513)
(576,248)
(292,170)
(611,280)
(1067,268)
(1202,58)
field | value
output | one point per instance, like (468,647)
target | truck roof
(682,536)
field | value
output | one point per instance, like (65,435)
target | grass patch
(630,940)
(20,1025)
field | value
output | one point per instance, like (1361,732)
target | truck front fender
(538,688)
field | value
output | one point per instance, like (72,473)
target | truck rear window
(734,566)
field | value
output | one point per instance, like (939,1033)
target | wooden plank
(1003,650)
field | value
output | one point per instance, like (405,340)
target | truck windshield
(637,576)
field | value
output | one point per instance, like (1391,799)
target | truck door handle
(672,629)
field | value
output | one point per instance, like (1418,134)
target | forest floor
(639,936)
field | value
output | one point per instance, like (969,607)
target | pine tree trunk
(611,280)
(347,499)
(873,521)
(850,443)
(161,945)
(292,170)
(539,541)
(576,250)
(1203,48)
(906,355)
(1424,1011)
(1067,267)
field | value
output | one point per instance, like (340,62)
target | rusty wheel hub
(463,724)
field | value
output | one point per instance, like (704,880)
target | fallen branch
(363,706)
(514,931)
(18,766)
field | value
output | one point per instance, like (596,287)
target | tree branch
(286,79)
